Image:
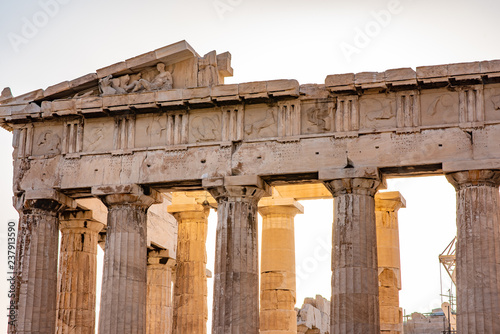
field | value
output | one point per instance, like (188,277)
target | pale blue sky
(268,40)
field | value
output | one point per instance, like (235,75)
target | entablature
(165,119)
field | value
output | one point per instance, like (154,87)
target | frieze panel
(98,135)
(47,139)
(261,121)
(439,107)
(317,116)
(150,130)
(495,100)
(492,103)
(204,127)
(377,112)
(285,120)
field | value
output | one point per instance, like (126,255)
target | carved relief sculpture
(377,111)
(496,102)
(105,86)
(320,120)
(442,102)
(49,143)
(205,128)
(262,124)
(207,70)
(161,81)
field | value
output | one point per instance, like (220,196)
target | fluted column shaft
(355,304)
(236,277)
(124,280)
(159,310)
(387,205)
(190,293)
(35,296)
(77,273)
(477,250)
(277,287)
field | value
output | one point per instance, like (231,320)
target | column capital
(44,199)
(288,206)
(247,188)
(358,185)
(390,201)
(188,211)
(79,220)
(471,178)
(361,181)
(133,194)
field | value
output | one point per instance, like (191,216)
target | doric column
(190,292)
(159,310)
(387,205)
(35,296)
(355,305)
(77,272)
(477,250)
(124,280)
(236,277)
(277,267)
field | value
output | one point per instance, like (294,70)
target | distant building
(431,323)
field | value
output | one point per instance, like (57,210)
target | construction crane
(448,259)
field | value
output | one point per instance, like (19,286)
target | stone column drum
(355,304)
(477,250)
(277,286)
(190,292)
(35,296)
(159,310)
(124,281)
(236,277)
(387,205)
(77,273)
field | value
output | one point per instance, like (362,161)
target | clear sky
(48,41)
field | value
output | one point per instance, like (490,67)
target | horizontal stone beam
(305,160)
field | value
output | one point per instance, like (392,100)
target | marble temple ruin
(132,157)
